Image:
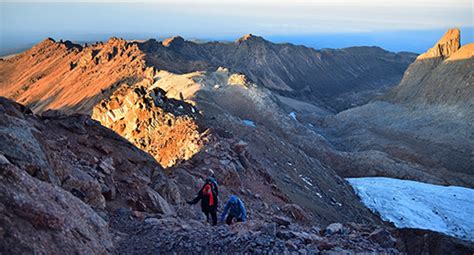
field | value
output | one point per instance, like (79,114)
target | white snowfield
(412,204)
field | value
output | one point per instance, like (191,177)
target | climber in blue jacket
(235,209)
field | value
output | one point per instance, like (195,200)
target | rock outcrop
(39,217)
(163,127)
(60,175)
(445,47)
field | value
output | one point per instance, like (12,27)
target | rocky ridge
(163,127)
(331,79)
(70,77)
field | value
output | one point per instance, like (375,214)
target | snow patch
(307,180)
(249,123)
(293,115)
(419,205)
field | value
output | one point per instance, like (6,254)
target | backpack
(214,186)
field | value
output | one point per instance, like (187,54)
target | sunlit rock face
(446,46)
(165,128)
(70,77)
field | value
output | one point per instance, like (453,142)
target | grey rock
(281,220)
(333,228)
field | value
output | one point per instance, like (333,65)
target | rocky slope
(201,122)
(59,177)
(87,190)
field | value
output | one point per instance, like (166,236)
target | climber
(208,196)
(236,209)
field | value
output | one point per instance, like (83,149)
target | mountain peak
(173,41)
(114,39)
(446,46)
(249,37)
(47,41)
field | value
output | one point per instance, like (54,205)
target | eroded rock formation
(163,127)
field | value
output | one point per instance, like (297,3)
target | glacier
(412,204)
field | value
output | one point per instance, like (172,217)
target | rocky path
(136,233)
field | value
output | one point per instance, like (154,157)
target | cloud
(226,17)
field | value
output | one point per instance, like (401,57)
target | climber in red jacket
(208,196)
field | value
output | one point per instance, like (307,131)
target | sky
(397,25)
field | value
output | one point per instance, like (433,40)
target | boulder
(158,203)
(231,177)
(152,221)
(168,189)
(4,160)
(295,211)
(285,235)
(269,229)
(333,228)
(240,147)
(383,237)
(107,166)
(85,187)
(281,220)
(309,238)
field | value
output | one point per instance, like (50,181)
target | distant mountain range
(331,79)
(320,77)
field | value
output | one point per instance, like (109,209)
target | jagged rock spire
(446,46)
